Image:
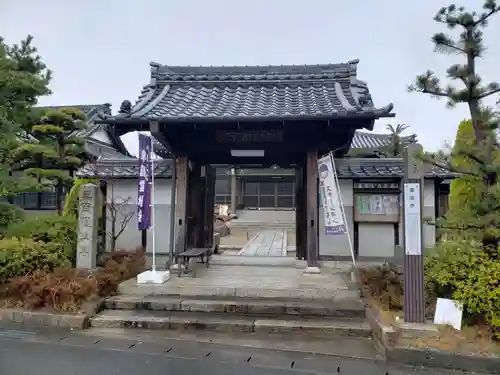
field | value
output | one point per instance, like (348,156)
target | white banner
(330,199)
(413,219)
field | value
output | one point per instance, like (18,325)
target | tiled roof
(121,166)
(383,168)
(93,112)
(254,92)
(365,140)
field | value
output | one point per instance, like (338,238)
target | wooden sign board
(249,136)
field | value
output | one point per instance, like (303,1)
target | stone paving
(271,243)
(252,281)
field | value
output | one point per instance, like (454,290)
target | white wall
(125,190)
(375,240)
(101,136)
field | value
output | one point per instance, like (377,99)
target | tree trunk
(59,199)
(113,235)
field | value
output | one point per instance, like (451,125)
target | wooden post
(196,205)
(298,213)
(181,203)
(209,206)
(233,191)
(312,209)
(414,303)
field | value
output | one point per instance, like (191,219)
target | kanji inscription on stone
(88,211)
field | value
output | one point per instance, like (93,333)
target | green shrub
(461,270)
(466,189)
(22,256)
(9,214)
(61,230)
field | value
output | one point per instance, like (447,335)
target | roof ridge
(158,70)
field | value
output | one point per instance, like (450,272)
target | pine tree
(466,188)
(23,79)
(485,214)
(58,152)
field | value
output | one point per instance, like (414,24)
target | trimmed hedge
(22,256)
(61,230)
(9,214)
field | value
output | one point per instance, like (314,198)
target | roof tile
(120,166)
(185,93)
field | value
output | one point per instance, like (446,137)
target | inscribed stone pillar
(88,215)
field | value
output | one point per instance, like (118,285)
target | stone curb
(51,319)
(386,339)
(128,288)
(443,360)
(348,309)
(263,327)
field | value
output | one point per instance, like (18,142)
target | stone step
(349,308)
(317,327)
(250,227)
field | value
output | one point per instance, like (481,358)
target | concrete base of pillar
(153,277)
(312,270)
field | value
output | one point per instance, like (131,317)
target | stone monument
(88,213)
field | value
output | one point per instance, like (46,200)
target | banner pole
(152,205)
(351,247)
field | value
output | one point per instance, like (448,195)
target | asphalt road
(24,352)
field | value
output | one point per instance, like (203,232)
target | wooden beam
(157,131)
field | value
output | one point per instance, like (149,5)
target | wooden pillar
(303,212)
(312,208)
(414,302)
(233,191)
(196,205)
(209,206)
(181,203)
(299,210)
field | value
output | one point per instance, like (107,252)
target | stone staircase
(255,221)
(296,318)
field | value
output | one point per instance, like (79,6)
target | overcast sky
(100,50)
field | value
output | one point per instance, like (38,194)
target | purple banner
(144,182)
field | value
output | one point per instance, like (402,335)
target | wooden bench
(203,253)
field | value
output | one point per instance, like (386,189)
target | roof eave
(368,115)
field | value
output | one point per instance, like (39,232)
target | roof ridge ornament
(125,107)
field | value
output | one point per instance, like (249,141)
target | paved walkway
(251,281)
(267,243)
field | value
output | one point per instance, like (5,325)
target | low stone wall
(387,340)
(53,319)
